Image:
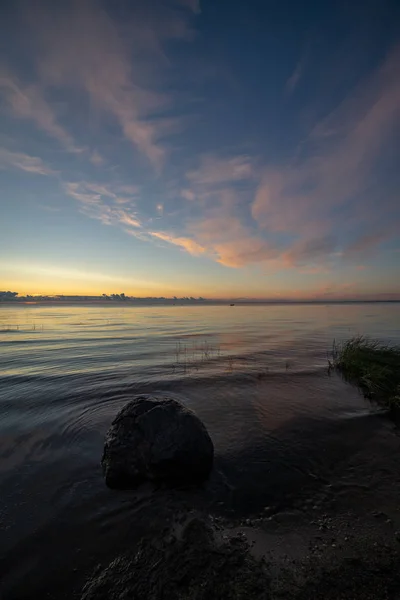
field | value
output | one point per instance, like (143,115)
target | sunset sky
(220,148)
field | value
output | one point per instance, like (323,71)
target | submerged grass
(371,365)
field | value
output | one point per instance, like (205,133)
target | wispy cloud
(295,77)
(294,220)
(114,63)
(335,166)
(188,194)
(193,5)
(215,170)
(96,159)
(311,252)
(125,218)
(183,242)
(228,240)
(24,162)
(238,203)
(28,102)
(103,203)
(367,242)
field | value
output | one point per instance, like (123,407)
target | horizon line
(12,297)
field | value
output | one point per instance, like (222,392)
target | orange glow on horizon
(296,295)
(52,280)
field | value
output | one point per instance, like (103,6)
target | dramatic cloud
(287,217)
(301,202)
(143,114)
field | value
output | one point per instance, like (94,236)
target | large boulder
(156,437)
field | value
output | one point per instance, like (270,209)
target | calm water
(256,375)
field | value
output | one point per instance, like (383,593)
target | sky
(215,148)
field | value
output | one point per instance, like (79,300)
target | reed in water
(371,365)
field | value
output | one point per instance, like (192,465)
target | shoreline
(339,541)
(180,302)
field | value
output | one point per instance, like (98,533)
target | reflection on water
(256,375)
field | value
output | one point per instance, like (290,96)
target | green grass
(371,365)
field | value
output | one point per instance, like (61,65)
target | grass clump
(371,365)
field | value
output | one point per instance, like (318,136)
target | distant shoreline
(155,302)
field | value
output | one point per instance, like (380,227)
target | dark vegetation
(15,297)
(371,365)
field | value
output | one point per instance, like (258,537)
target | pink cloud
(244,251)
(24,162)
(185,243)
(228,241)
(127,219)
(188,195)
(235,245)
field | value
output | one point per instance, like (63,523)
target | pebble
(378,513)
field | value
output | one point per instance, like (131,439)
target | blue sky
(214,148)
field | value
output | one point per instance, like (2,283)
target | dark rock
(194,567)
(157,438)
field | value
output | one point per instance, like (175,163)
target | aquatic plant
(372,365)
(190,356)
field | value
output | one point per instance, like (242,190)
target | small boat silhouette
(232,305)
